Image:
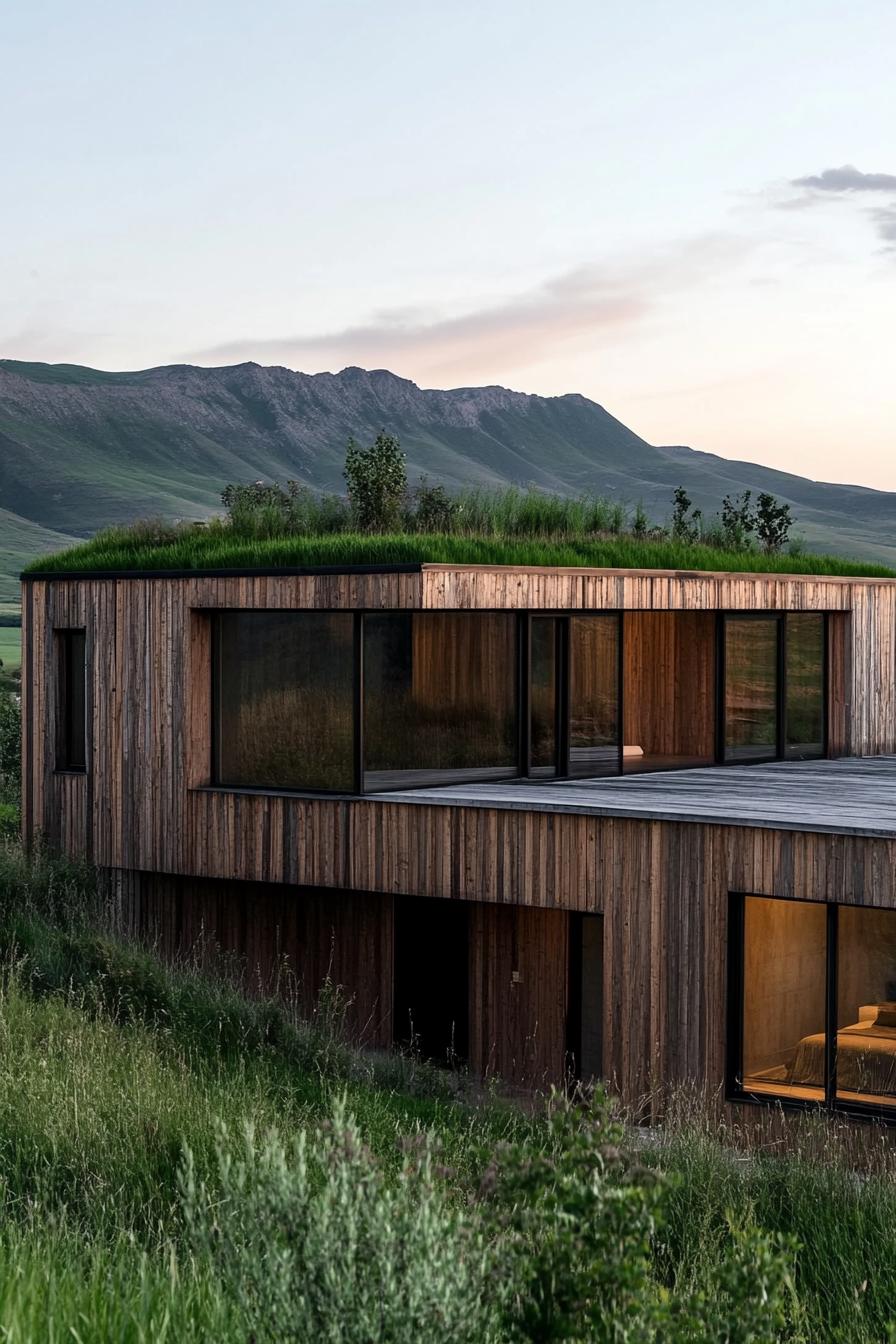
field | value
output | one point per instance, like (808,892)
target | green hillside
(21,542)
(180,1161)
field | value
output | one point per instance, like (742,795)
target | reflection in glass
(285,700)
(784,997)
(439,697)
(543,674)
(805,684)
(866,1004)
(593,695)
(751,689)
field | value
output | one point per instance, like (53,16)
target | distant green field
(10,647)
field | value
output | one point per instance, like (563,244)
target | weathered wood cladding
(304,941)
(298,942)
(662,888)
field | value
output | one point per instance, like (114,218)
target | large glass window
(866,1004)
(805,682)
(816,996)
(330,700)
(71,706)
(751,688)
(784,959)
(593,695)
(285,700)
(440,698)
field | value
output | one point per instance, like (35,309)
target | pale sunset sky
(686,211)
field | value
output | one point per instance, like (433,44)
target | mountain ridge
(81,448)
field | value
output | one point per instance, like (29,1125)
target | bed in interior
(866,1056)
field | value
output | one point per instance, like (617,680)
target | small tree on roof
(773,522)
(377,480)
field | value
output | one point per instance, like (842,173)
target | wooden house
(636,825)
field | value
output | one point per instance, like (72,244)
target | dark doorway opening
(586,997)
(432,977)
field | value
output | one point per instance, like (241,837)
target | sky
(685,211)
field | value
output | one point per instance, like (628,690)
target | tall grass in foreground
(178,1161)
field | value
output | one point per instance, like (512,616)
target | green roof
(200,549)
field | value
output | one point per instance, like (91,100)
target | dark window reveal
(285,700)
(71,715)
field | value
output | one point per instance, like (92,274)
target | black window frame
(71,728)
(780,752)
(735,1091)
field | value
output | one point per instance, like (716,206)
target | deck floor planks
(852,796)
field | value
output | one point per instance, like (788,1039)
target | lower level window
(813,1002)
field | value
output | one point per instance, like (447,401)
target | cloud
(885,223)
(847,182)
(584,307)
(845,179)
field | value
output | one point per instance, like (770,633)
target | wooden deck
(856,796)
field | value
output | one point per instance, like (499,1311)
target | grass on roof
(218,547)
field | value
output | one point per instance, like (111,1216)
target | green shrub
(319,1242)
(577,1223)
(260,511)
(433,509)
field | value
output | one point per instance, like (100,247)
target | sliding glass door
(354,702)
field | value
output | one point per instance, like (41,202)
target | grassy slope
(109,1063)
(216,549)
